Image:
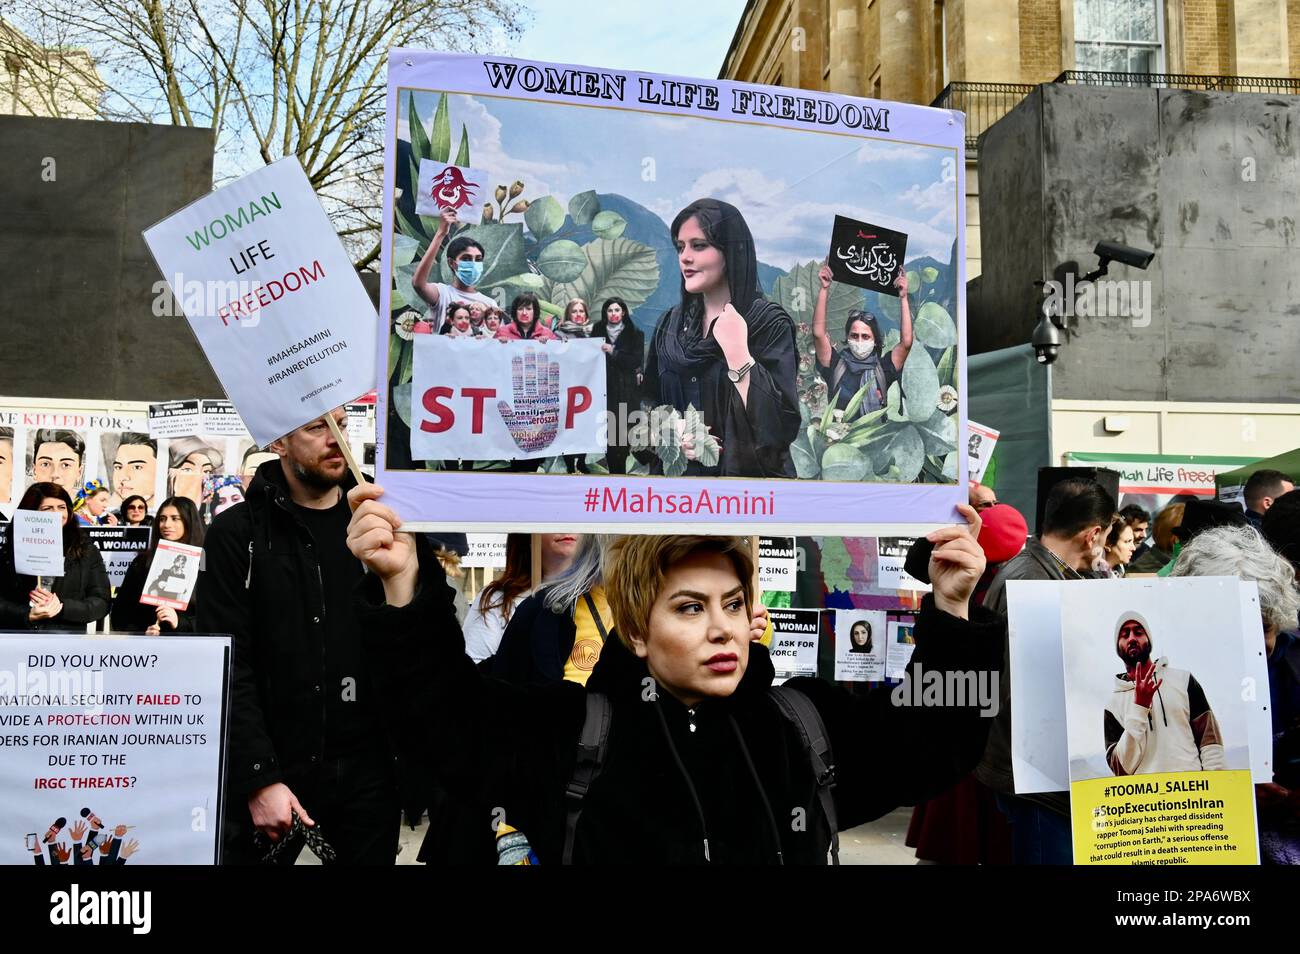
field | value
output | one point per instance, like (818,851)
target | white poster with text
(112,749)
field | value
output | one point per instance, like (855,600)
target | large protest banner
(690,248)
(113,749)
(1153,480)
(272,297)
(75,443)
(195,448)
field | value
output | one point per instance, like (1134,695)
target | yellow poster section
(1167,818)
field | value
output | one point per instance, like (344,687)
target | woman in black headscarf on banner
(624,347)
(726,350)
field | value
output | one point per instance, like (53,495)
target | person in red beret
(1001,537)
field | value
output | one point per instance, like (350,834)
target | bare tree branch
(272,78)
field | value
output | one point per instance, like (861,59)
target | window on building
(826,38)
(940,44)
(1119,36)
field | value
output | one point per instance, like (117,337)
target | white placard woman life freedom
(272,296)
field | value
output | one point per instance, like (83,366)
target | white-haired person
(1243,552)
(701,766)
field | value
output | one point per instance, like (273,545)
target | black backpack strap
(838,370)
(800,711)
(593,744)
(595,615)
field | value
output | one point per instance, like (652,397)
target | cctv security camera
(1046,338)
(1124,254)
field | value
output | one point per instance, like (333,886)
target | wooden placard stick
(346,448)
(536,560)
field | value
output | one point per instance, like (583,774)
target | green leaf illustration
(930,274)
(402,402)
(440,138)
(948,368)
(562,260)
(893,403)
(544,216)
(405,290)
(583,207)
(890,308)
(921,386)
(406,365)
(404,249)
(816,442)
(410,227)
(934,327)
(506,289)
(906,451)
(462,154)
(868,422)
(844,462)
(872,441)
(806,464)
(419,141)
(615,268)
(707,449)
(608,225)
(939,434)
(395,344)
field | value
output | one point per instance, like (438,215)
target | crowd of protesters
(364,690)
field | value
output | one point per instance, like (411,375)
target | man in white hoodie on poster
(1158,719)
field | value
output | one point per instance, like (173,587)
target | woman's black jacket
(731,772)
(83,589)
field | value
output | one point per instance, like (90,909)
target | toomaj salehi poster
(112,750)
(1158,724)
(686,252)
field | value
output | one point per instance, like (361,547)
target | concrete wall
(78,280)
(1209,181)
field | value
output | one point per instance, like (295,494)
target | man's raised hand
(375,540)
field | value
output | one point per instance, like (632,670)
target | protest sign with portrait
(172,576)
(743,388)
(1158,722)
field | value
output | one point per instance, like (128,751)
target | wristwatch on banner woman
(738,375)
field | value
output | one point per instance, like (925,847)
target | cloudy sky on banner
(789,184)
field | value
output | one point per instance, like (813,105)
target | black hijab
(726,229)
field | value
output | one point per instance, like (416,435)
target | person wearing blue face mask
(465,257)
(862,360)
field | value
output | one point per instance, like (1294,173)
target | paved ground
(879,843)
